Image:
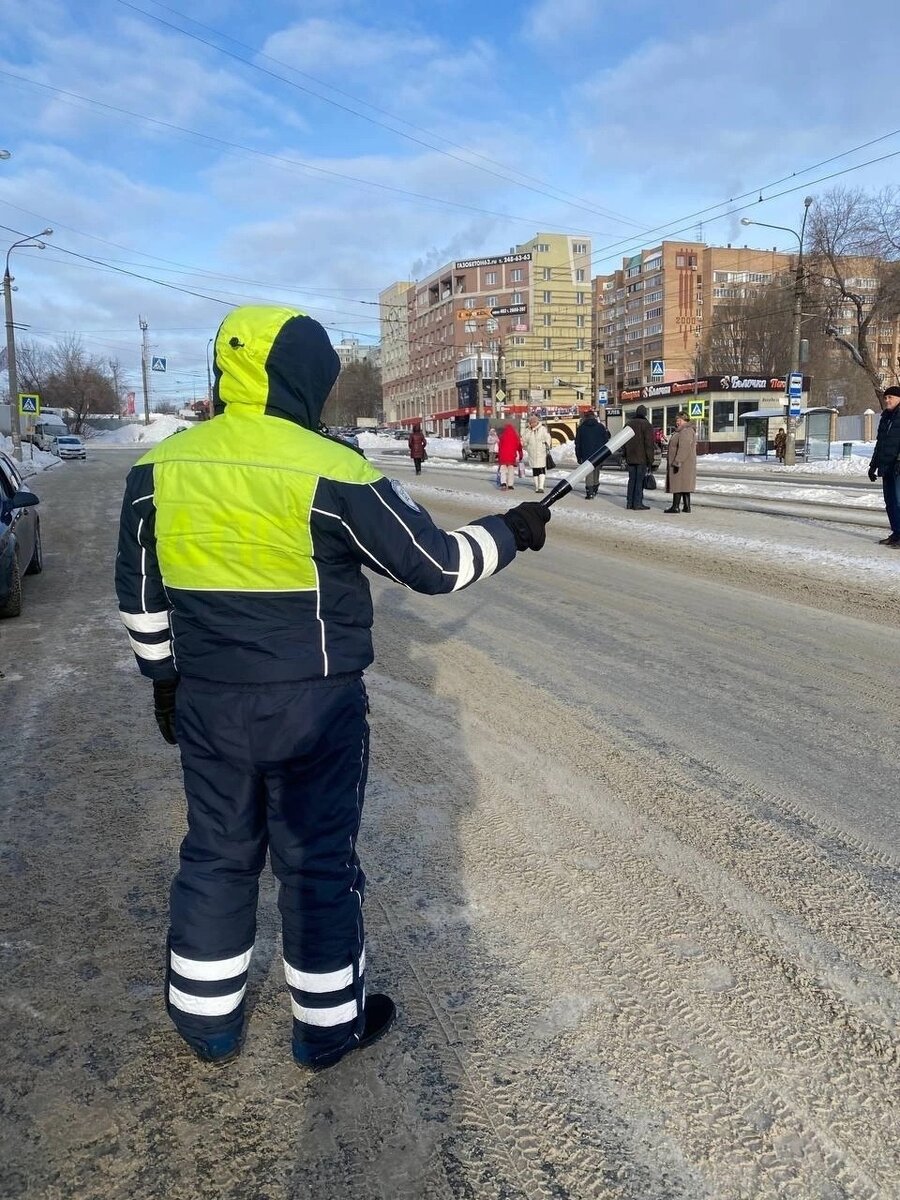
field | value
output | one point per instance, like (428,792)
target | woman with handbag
(681,464)
(537,443)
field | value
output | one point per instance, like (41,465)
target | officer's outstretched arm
(386,530)
(143,605)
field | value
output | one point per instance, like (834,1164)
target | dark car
(20,537)
(616,460)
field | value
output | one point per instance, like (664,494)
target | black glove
(164,708)
(873,475)
(527,521)
(674,468)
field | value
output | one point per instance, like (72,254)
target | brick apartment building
(524,315)
(658,306)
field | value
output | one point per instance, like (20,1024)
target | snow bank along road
(630,840)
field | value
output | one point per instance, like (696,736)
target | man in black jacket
(590,437)
(886,463)
(639,456)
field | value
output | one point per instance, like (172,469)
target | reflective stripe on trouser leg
(214,895)
(315,805)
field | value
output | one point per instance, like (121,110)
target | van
(45,430)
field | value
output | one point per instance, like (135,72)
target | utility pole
(479,383)
(499,382)
(142,324)
(15,426)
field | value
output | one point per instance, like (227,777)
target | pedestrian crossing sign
(697,410)
(29,404)
(157,363)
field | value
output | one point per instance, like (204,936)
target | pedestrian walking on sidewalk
(239,580)
(639,457)
(780,443)
(590,436)
(886,463)
(417,443)
(509,455)
(537,443)
(681,464)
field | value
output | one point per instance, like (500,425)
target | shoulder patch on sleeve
(404,495)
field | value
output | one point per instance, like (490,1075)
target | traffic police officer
(239,582)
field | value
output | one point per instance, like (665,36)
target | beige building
(650,317)
(525,316)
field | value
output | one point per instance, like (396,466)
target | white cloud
(554,21)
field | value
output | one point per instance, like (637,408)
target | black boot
(675,506)
(380,1016)
(687,501)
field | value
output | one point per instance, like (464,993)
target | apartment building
(524,316)
(650,316)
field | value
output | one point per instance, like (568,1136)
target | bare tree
(357,393)
(78,381)
(32,366)
(751,332)
(853,277)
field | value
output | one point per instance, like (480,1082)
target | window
(579,275)
(547,319)
(542,248)
(632,271)
(517,298)
(723,415)
(548,343)
(654,329)
(652,297)
(653,264)
(579,248)
(490,278)
(545,273)
(491,302)
(548,365)
(518,362)
(516,275)
(472,302)
(547,297)
(652,312)
(579,321)
(579,364)
(745,406)
(579,343)
(579,297)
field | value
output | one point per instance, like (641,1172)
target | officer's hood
(275,360)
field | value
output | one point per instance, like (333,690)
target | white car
(69,446)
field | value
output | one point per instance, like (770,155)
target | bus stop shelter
(813,432)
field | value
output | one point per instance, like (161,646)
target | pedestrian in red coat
(509,455)
(417,443)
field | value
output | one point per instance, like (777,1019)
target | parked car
(68,446)
(616,460)
(20,536)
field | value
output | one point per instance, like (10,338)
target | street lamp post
(790,445)
(15,426)
(209,399)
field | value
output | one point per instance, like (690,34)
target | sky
(194,156)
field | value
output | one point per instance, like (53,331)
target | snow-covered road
(633,878)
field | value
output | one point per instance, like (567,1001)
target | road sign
(471,314)
(795,386)
(157,363)
(602,397)
(657,368)
(501,396)
(697,410)
(29,404)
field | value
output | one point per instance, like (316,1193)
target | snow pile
(161,425)
(33,460)
(856,464)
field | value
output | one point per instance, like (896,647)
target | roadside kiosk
(813,432)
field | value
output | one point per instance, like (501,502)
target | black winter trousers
(278,768)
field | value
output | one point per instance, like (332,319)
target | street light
(209,401)
(15,425)
(790,445)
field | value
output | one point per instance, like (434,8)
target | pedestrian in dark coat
(886,463)
(240,583)
(590,436)
(639,457)
(681,464)
(417,443)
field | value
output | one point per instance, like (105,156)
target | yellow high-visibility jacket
(242,539)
